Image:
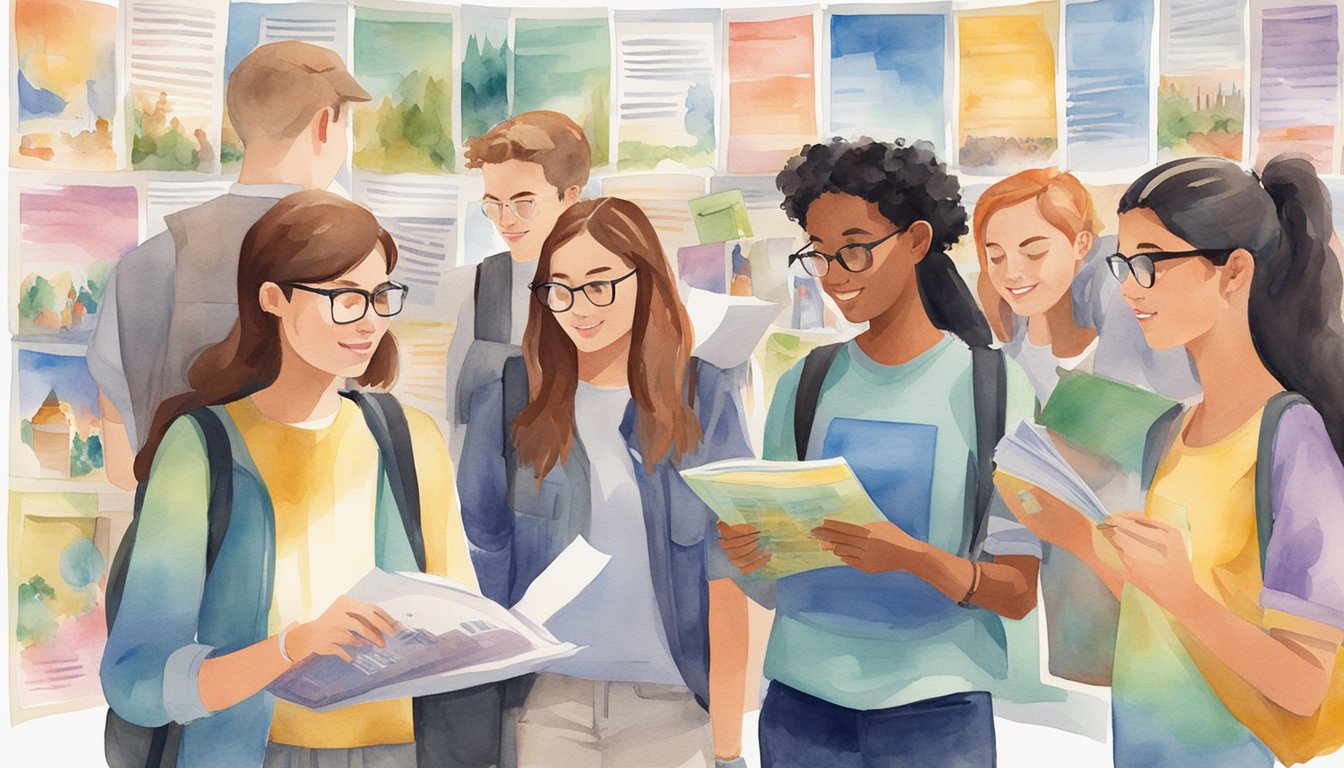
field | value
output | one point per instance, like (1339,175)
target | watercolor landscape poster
(486,60)
(772,91)
(564,64)
(176,50)
(57,434)
(58,556)
(1297,72)
(68,239)
(1201,99)
(1108,45)
(405,61)
(65,80)
(1007,101)
(881,64)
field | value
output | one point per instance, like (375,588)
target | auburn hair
(308,237)
(549,139)
(1062,201)
(660,346)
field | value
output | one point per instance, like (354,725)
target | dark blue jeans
(802,731)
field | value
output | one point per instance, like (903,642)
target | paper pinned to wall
(772,98)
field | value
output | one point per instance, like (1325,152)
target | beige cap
(277,88)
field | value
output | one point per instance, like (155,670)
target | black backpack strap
(387,421)
(989,388)
(815,367)
(494,298)
(1264,467)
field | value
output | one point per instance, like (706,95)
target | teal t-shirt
(870,641)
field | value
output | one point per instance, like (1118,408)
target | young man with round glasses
(535,166)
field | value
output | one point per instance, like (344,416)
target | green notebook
(1103,416)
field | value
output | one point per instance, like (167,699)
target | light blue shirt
(616,617)
(870,641)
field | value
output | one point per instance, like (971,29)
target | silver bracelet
(284,654)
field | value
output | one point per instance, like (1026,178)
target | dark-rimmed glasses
(524,209)
(558,297)
(855,257)
(1142,265)
(350,305)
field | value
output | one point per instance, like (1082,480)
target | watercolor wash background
(117,119)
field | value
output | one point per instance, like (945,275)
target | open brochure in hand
(1029,454)
(453,638)
(785,500)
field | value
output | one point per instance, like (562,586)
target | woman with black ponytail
(890,657)
(1231,580)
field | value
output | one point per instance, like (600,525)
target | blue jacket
(517,527)
(172,617)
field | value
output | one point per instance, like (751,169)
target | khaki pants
(571,722)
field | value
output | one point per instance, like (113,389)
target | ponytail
(948,300)
(1296,295)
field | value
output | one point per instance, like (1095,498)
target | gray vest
(201,310)
(491,345)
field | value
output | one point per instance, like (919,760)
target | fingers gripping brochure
(1028,453)
(451,637)
(785,500)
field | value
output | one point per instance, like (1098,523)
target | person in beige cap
(174,295)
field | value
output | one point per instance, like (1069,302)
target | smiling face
(524,185)
(593,328)
(835,220)
(308,330)
(1186,298)
(1030,263)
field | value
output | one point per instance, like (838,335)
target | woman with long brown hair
(197,642)
(584,436)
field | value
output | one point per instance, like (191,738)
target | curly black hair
(908,183)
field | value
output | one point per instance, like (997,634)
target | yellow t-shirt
(323,484)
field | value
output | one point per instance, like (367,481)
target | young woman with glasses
(1049,296)
(887,659)
(584,436)
(1052,302)
(1227,634)
(315,301)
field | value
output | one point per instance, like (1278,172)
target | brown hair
(277,89)
(1062,200)
(546,138)
(660,346)
(308,237)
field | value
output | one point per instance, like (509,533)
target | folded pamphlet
(785,500)
(1029,454)
(452,637)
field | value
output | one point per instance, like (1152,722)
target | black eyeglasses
(350,305)
(559,297)
(855,257)
(1141,265)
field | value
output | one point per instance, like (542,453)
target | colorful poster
(485,69)
(564,64)
(772,92)
(405,61)
(704,267)
(59,552)
(65,76)
(667,88)
(69,238)
(1201,100)
(1108,45)
(1007,100)
(254,24)
(1297,104)
(888,77)
(59,423)
(176,58)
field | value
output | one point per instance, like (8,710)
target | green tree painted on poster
(485,86)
